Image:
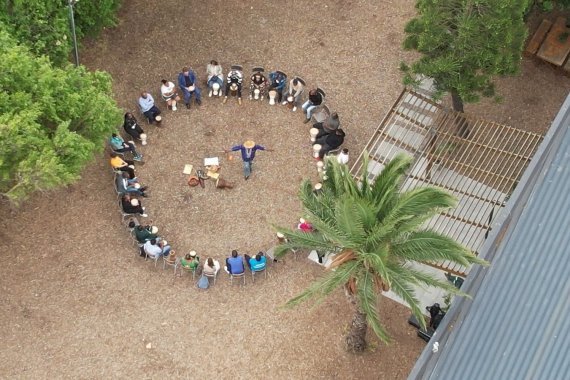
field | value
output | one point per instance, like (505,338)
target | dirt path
(77,303)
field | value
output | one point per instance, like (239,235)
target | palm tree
(376,232)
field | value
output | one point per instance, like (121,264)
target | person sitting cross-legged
(148,108)
(190,261)
(189,85)
(211,267)
(256,263)
(154,248)
(234,264)
(132,205)
(125,185)
(143,233)
(123,165)
(121,146)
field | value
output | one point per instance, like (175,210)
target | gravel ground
(78,303)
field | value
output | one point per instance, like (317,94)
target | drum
(280,238)
(233,89)
(158,119)
(143,138)
(313,132)
(316,150)
(272,96)
(320,166)
(256,93)
(290,102)
(216,89)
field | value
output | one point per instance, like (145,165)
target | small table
(554,50)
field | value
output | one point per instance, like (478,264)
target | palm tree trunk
(356,338)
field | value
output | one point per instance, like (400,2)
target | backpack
(203,282)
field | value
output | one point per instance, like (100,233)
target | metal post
(71,3)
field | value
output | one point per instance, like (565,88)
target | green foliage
(464,44)
(377,232)
(44,25)
(51,120)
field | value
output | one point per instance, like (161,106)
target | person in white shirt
(342,157)
(215,78)
(148,108)
(296,89)
(169,95)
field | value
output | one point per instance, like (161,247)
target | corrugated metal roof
(517,325)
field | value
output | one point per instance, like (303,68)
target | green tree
(464,44)
(52,120)
(44,26)
(376,232)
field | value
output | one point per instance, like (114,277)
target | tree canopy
(52,120)
(376,232)
(464,44)
(44,26)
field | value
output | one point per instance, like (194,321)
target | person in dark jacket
(330,142)
(132,127)
(328,126)
(132,206)
(315,99)
(278,82)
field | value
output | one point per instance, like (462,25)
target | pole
(72,19)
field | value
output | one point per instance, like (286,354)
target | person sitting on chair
(277,82)
(121,146)
(343,157)
(234,83)
(168,93)
(256,263)
(132,206)
(328,126)
(143,233)
(131,126)
(315,99)
(211,267)
(154,248)
(234,264)
(296,89)
(148,108)
(189,86)
(330,141)
(123,165)
(215,78)
(190,261)
(125,185)
(257,85)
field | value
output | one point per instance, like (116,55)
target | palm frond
(348,220)
(401,284)
(386,185)
(368,303)
(326,284)
(427,279)
(416,206)
(429,245)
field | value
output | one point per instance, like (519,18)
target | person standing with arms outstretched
(247,150)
